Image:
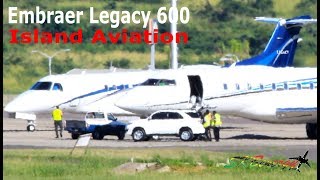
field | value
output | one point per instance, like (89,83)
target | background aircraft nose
(123,102)
(10,107)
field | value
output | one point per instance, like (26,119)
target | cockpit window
(57,86)
(159,82)
(41,86)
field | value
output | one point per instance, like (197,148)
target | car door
(156,123)
(174,122)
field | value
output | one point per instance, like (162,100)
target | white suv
(185,124)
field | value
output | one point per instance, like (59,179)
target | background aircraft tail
(281,47)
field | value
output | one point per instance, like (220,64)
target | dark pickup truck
(99,124)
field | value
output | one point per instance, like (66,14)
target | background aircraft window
(57,86)
(225,86)
(299,86)
(237,86)
(166,82)
(174,115)
(261,86)
(159,82)
(150,82)
(311,86)
(193,114)
(249,86)
(273,86)
(41,86)
(160,115)
(285,86)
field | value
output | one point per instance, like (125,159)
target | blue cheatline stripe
(296,109)
(111,88)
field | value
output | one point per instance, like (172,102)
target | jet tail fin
(281,47)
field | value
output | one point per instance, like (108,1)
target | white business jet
(274,95)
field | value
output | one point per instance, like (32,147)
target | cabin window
(273,86)
(225,86)
(41,86)
(57,86)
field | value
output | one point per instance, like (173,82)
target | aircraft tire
(31,128)
(311,129)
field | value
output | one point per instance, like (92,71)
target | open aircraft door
(196,90)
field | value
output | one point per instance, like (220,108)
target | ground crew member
(216,125)
(57,118)
(207,122)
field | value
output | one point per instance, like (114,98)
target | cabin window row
(277,87)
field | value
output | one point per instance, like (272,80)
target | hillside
(215,28)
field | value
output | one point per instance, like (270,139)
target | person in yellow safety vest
(216,123)
(57,118)
(207,124)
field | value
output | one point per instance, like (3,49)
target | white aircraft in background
(87,91)
(274,95)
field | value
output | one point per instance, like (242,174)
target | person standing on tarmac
(57,118)
(216,125)
(207,123)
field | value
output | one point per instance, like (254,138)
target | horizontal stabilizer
(297,20)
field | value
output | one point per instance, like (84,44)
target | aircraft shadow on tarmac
(258,136)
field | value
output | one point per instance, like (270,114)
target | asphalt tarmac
(237,135)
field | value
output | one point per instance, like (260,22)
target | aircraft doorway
(196,89)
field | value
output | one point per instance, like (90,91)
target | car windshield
(111,117)
(41,86)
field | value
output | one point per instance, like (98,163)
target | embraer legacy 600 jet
(274,95)
(84,91)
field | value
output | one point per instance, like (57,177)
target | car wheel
(121,135)
(186,134)
(138,134)
(97,134)
(75,136)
